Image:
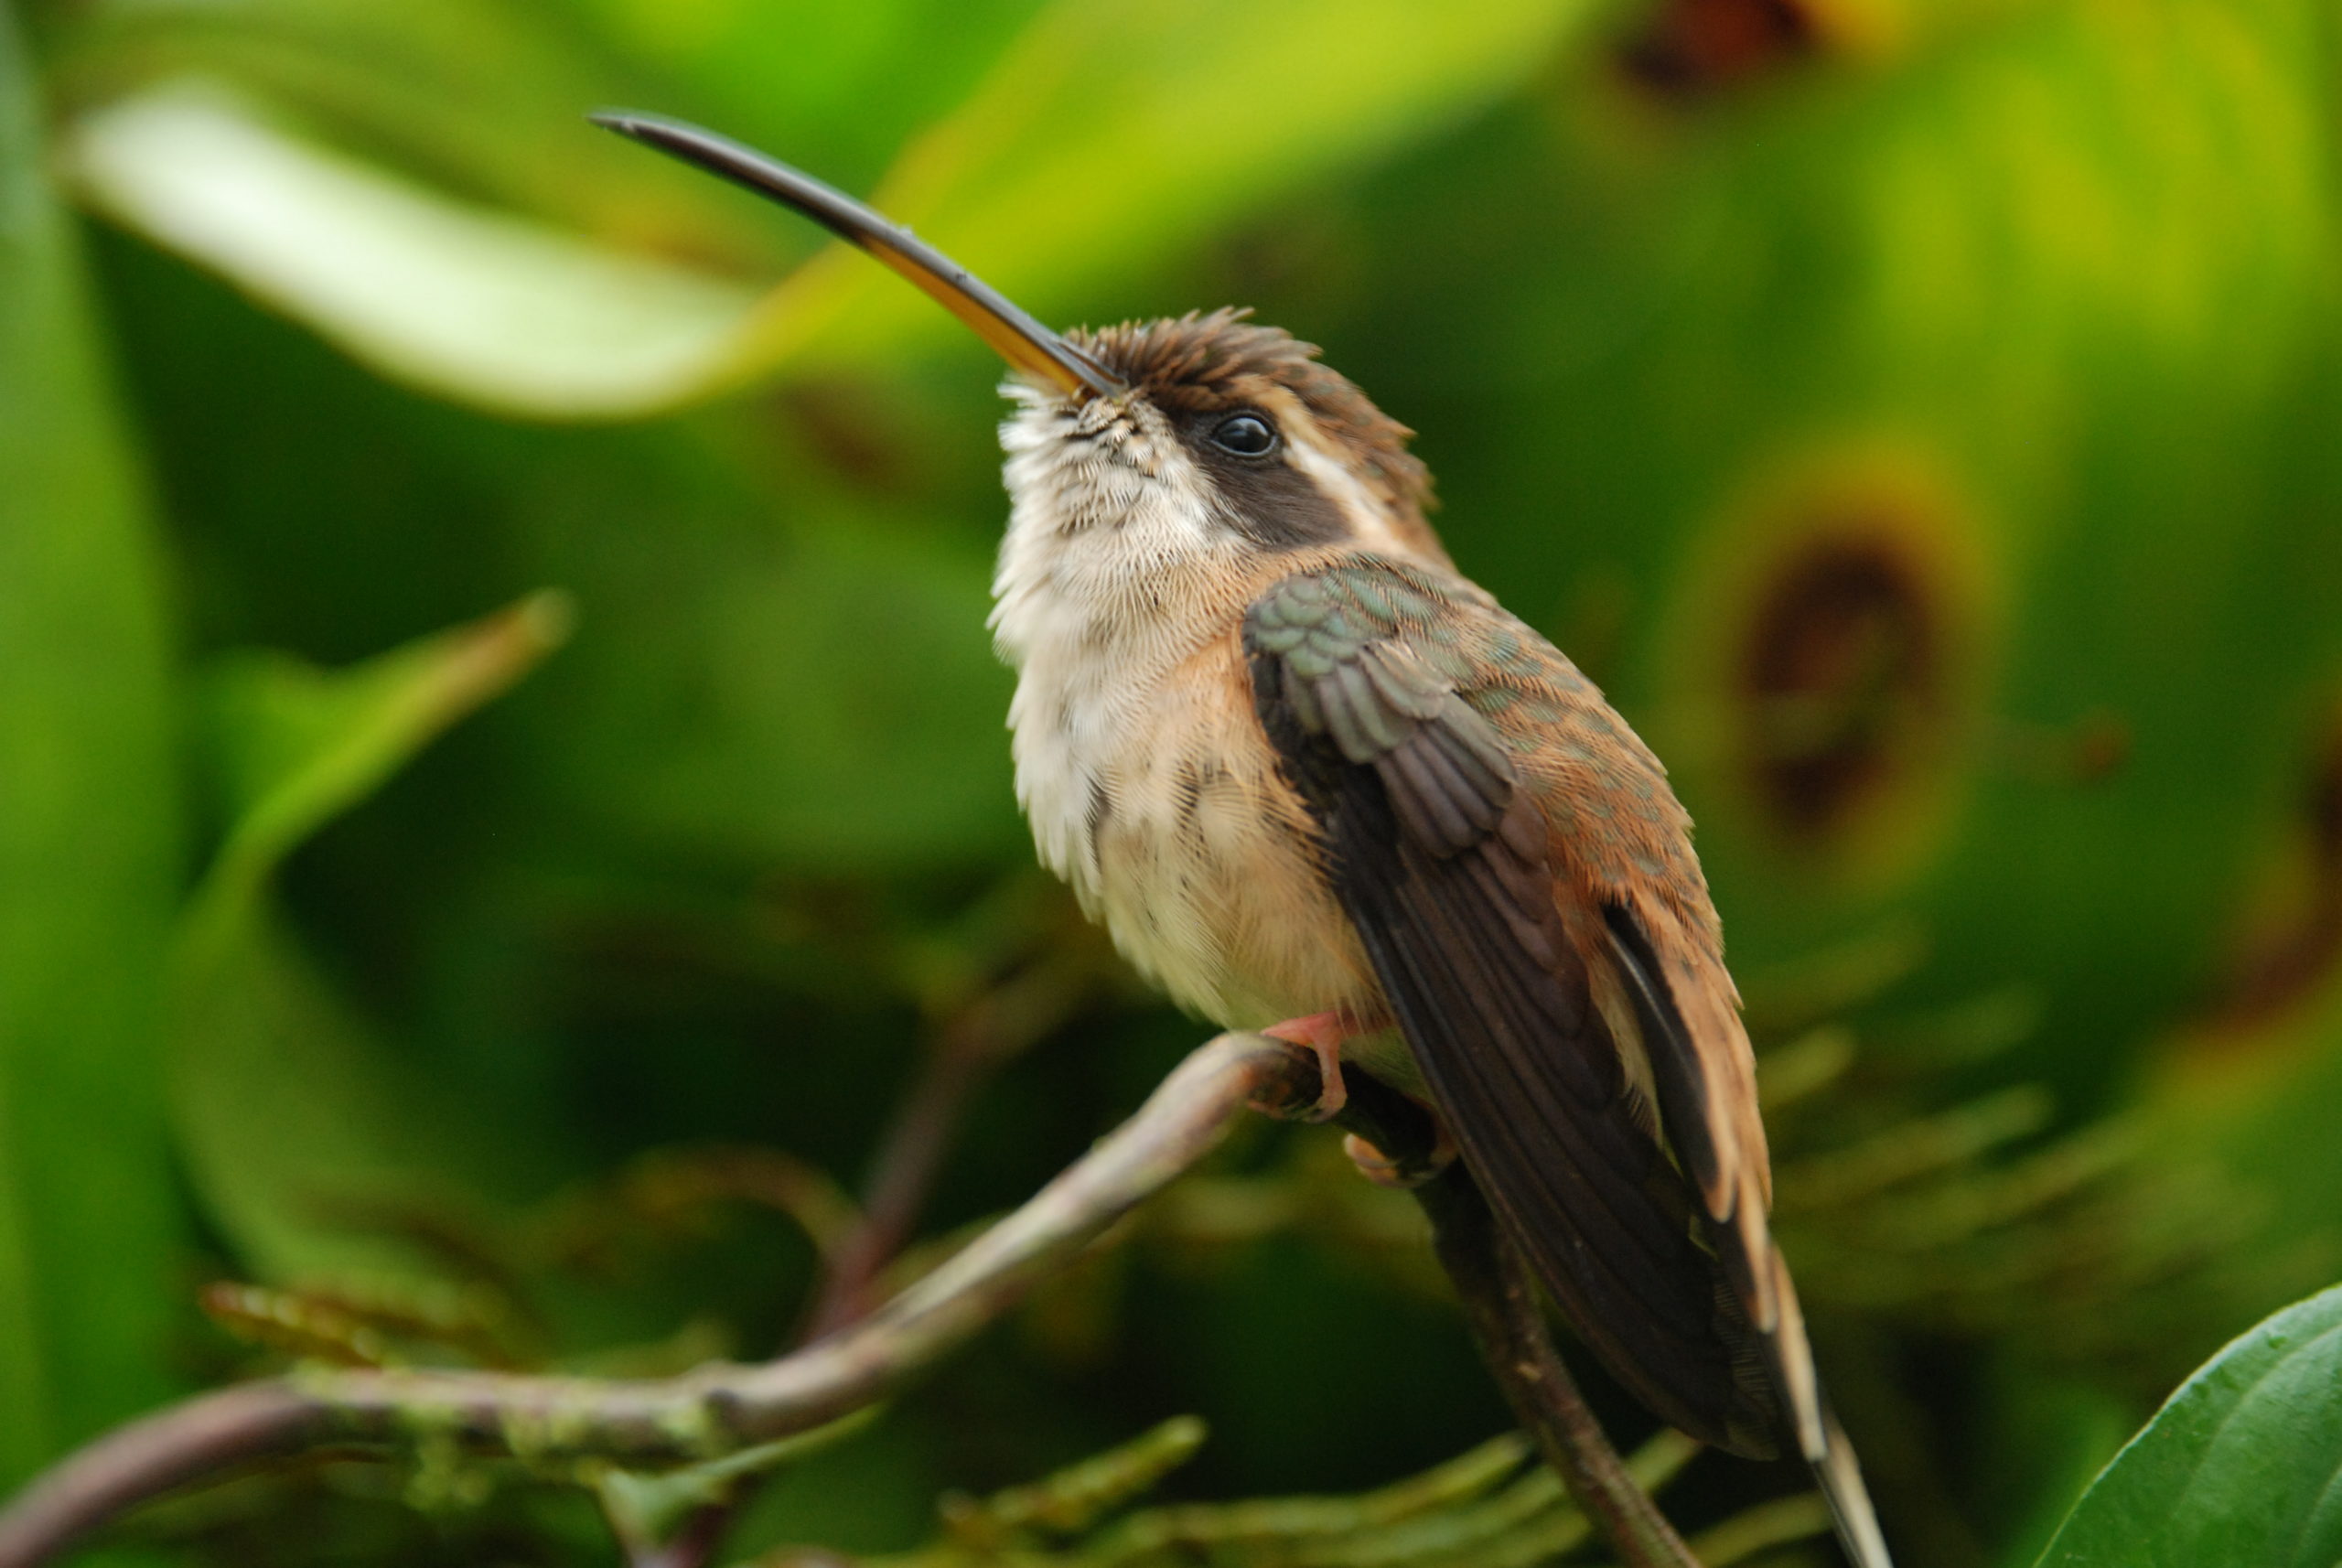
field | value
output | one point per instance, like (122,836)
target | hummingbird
(1316,783)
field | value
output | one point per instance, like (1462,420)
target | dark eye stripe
(1263,495)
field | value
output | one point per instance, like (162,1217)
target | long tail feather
(1840,1476)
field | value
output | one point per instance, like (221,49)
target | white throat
(1112,572)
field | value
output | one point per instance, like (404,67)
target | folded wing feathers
(1444,865)
(1445,870)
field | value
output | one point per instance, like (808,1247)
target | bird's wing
(1435,737)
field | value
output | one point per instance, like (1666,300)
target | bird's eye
(1246,434)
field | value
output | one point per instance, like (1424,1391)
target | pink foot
(1322,1034)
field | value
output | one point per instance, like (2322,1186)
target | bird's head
(1219,432)
(1203,436)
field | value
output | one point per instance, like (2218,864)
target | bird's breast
(1152,789)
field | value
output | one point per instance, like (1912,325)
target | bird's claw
(1383,1170)
(1321,1035)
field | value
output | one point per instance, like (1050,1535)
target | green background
(502,786)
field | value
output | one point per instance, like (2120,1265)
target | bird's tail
(1840,1477)
(1814,1424)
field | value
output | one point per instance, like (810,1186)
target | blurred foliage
(1480,1510)
(89,837)
(1919,418)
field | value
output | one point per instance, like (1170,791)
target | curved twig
(722,1408)
(182,1443)
(696,1416)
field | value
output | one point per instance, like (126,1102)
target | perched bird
(1315,782)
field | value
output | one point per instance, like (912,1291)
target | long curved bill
(1024,342)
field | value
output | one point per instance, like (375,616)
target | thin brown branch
(962,1054)
(721,1409)
(701,1414)
(1507,1319)
(1502,1307)
(182,1443)
(910,1155)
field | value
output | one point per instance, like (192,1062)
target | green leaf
(646,1507)
(1166,123)
(2243,1465)
(295,746)
(1114,134)
(444,294)
(311,1150)
(88,852)
(295,1120)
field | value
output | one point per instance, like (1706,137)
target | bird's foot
(1321,1035)
(1383,1170)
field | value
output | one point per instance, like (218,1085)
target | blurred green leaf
(312,1150)
(295,746)
(842,86)
(88,852)
(1116,133)
(441,294)
(2243,1465)
(1166,121)
(302,1132)
(644,1507)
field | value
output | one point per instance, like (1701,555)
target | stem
(1508,1322)
(964,1052)
(1501,1305)
(909,1159)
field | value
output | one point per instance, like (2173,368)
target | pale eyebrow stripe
(1327,472)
